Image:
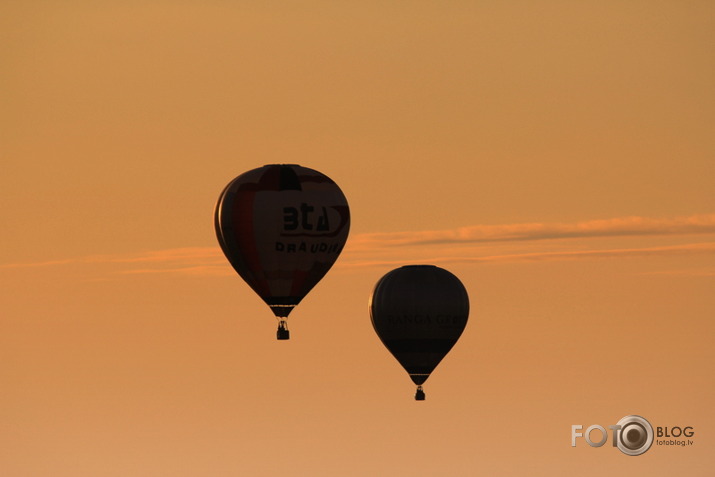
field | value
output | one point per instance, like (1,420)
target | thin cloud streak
(49,263)
(184,254)
(687,249)
(196,255)
(618,227)
(199,270)
(370,250)
(204,261)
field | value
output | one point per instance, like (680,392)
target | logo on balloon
(312,229)
(313,221)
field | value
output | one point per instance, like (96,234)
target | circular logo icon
(635,436)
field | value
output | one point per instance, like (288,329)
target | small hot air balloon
(282,226)
(419,313)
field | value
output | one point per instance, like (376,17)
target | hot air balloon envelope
(419,312)
(282,227)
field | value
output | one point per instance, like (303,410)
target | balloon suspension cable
(283,333)
(420,394)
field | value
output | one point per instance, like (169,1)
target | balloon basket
(283,333)
(420,394)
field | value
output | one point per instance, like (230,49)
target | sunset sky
(557,156)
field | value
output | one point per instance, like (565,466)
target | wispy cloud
(617,227)
(673,250)
(187,260)
(197,255)
(201,261)
(198,270)
(471,244)
(48,263)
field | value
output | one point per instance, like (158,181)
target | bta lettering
(306,218)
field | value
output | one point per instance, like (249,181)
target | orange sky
(556,156)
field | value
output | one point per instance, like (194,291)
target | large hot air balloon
(419,313)
(282,226)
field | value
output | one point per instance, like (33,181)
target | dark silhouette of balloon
(419,313)
(282,226)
